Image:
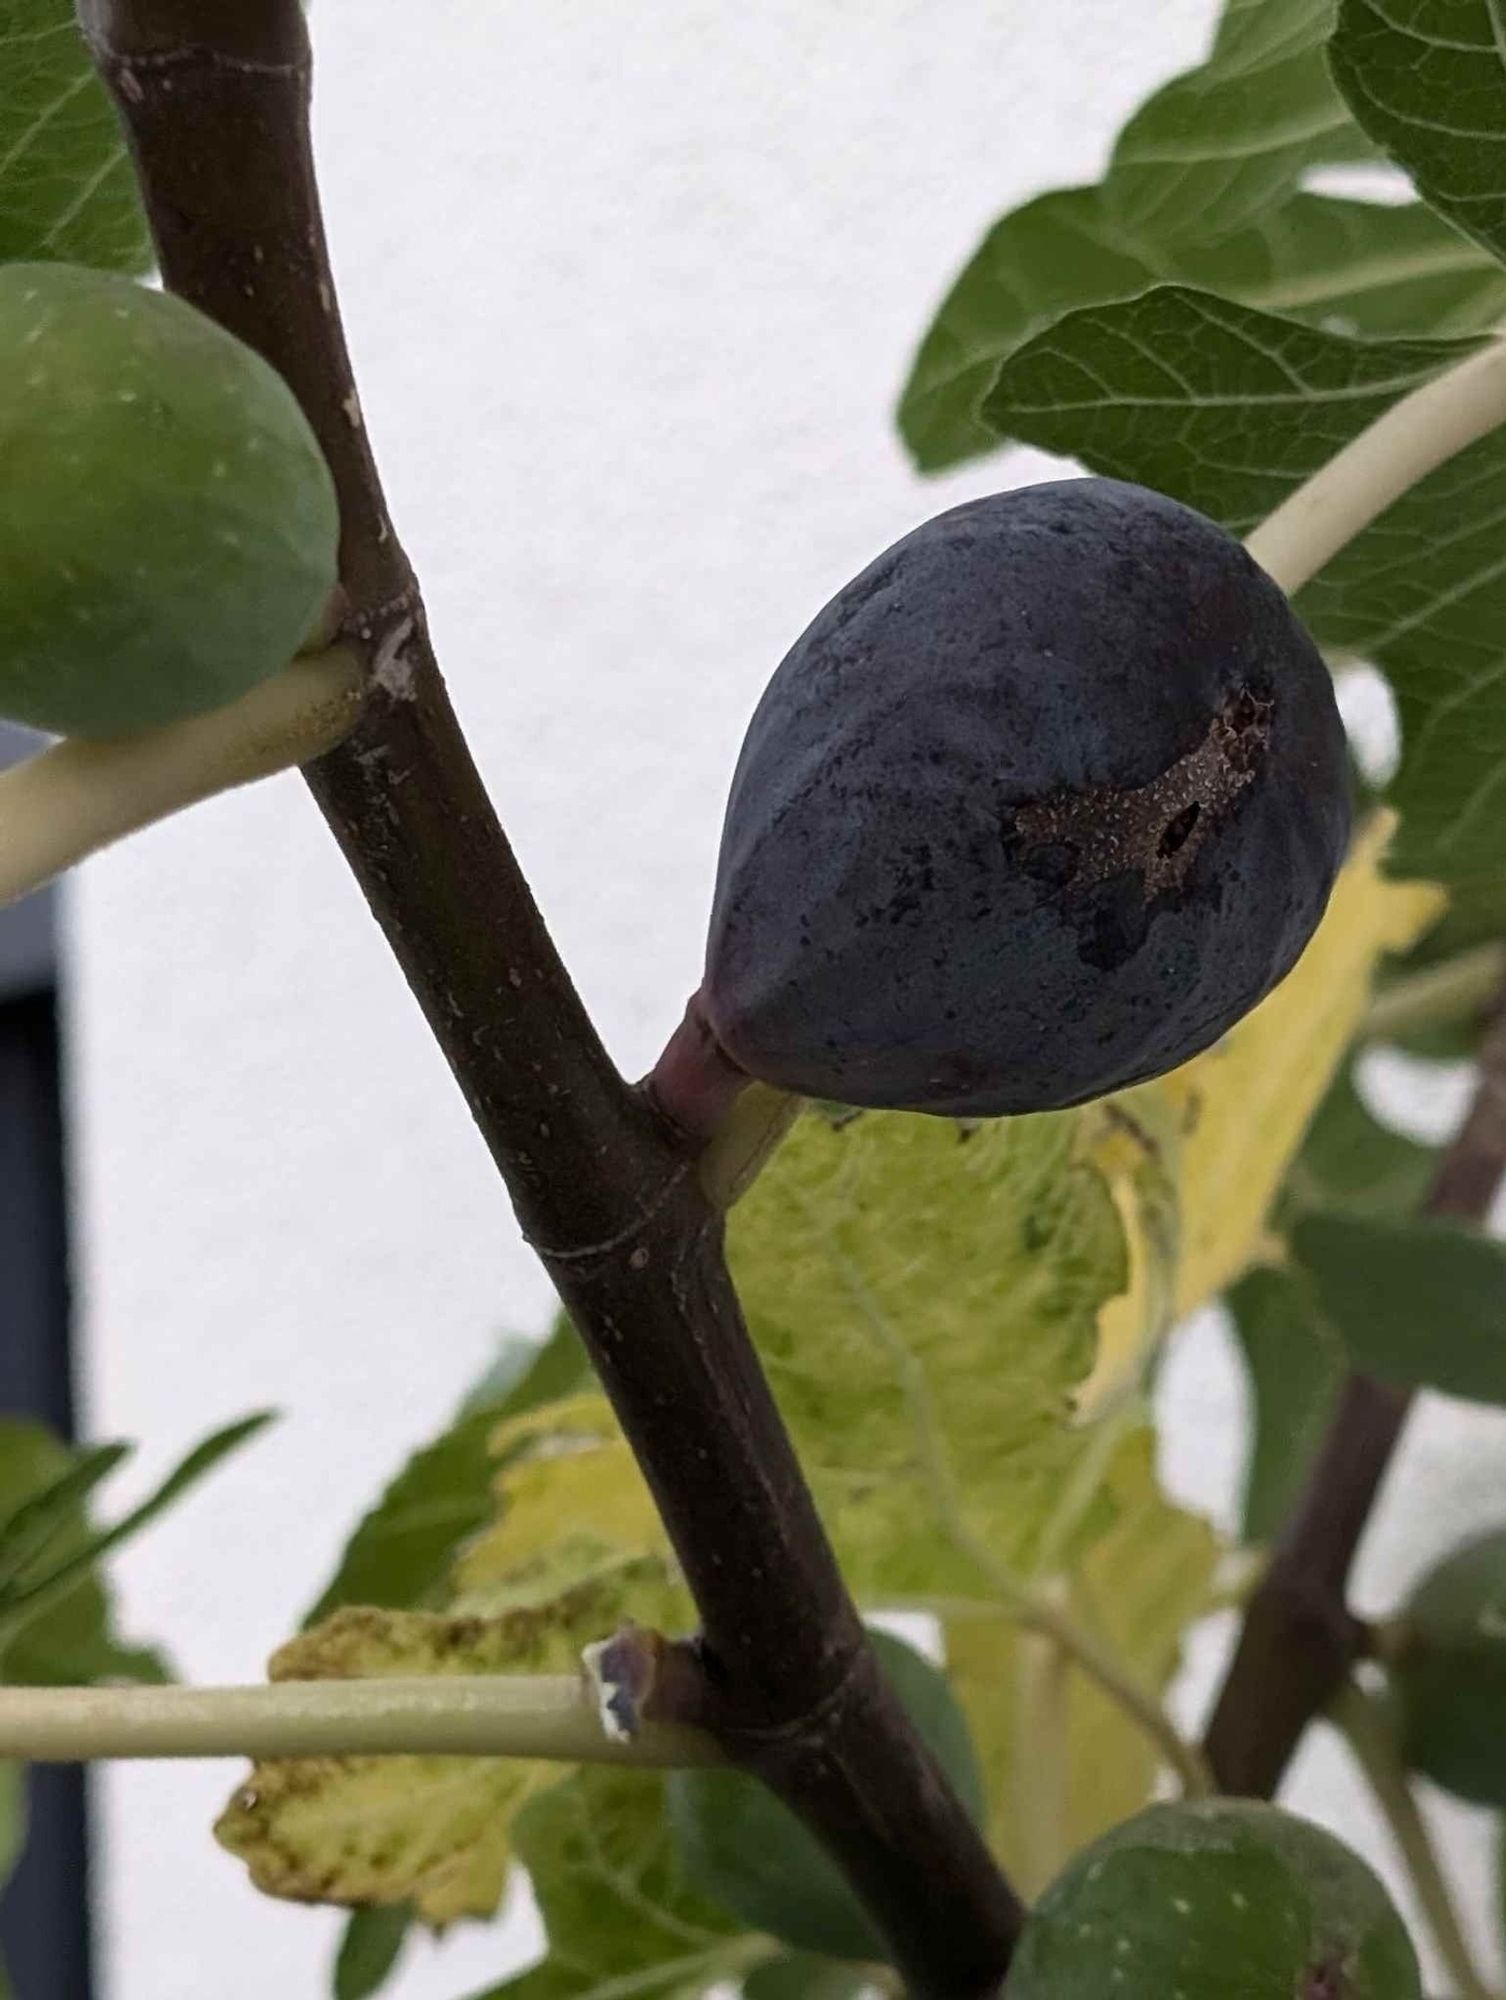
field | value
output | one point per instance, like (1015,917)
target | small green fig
(1448,1672)
(168,525)
(1218,1899)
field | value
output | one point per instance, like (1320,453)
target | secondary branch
(1300,1641)
(214,101)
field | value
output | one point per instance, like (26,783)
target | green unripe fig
(740,1846)
(1448,1672)
(168,525)
(1216,1899)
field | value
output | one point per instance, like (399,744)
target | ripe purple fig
(1038,806)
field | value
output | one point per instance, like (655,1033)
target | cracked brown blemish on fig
(1074,839)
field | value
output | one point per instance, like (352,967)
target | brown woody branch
(1300,1640)
(213,94)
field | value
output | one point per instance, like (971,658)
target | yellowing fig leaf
(925,1298)
(572,1508)
(1244,1105)
(431,1830)
(1136,1589)
(1136,1149)
(576,1547)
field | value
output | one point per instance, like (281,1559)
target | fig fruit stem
(78,797)
(490,1715)
(713,1106)
(1040,1771)
(1365,1723)
(695,1085)
(1411,439)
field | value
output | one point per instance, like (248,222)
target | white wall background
(631,292)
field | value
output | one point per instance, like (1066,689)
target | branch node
(593,1253)
(126,71)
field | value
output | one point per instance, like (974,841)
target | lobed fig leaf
(1218,1899)
(168,526)
(1448,1672)
(1039,806)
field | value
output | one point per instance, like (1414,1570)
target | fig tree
(1448,1672)
(168,525)
(1219,1899)
(1039,805)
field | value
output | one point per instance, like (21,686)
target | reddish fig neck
(695,1083)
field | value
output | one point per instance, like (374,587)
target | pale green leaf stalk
(1365,1725)
(67,192)
(78,797)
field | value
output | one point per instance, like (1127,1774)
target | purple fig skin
(1038,806)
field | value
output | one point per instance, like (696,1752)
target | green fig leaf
(1351,1162)
(12,1817)
(1369,268)
(68,1635)
(1427,80)
(1417,1301)
(1216,147)
(400,1553)
(370,1947)
(1295,1365)
(67,191)
(13,1836)
(1447,1667)
(1188,387)
(42,1549)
